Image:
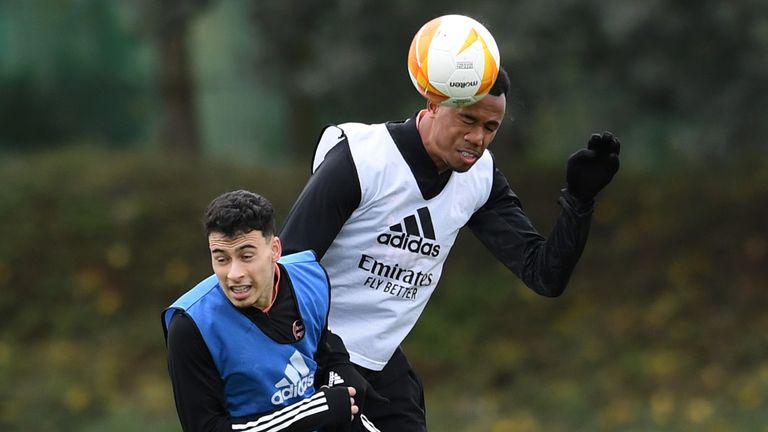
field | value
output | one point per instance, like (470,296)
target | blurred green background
(120,120)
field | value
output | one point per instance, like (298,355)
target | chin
(461,168)
(242,304)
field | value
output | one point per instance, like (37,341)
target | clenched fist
(591,169)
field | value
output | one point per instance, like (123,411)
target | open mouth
(468,157)
(240,291)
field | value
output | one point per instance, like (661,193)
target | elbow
(551,288)
(550,291)
(554,292)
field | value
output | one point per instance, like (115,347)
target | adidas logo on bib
(413,234)
(298,379)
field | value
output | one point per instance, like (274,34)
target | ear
(432,107)
(277,248)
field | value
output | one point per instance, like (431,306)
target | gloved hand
(591,169)
(346,375)
(341,404)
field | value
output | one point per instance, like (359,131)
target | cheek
(221,274)
(263,267)
(489,139)
(451,137)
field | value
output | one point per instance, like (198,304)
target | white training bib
(388,257)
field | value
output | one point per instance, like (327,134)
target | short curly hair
(502,84)
(239,212)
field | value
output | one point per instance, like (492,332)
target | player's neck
(275,290)
(424,126)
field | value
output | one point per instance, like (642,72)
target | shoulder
(182,331)
(307,256)
(194,295)
(334,141)
(303,263)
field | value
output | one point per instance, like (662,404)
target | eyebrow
(245,246)
(486,123)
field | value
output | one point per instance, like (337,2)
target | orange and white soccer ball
(453,60)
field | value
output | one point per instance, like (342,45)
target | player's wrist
(580,206)
(339,405)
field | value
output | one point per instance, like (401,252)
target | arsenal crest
(298,329)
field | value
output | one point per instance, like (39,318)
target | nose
(475,136)
(236,271)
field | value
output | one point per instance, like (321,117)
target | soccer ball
(453,60)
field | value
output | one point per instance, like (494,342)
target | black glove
(336,370)
(339,406)
(591,169)
(346,375)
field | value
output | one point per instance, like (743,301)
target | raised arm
(543,264)
(546,264)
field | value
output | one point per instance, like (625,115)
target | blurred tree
(340,60)
(286,29)
(56,89)
(676,79)
(701,65)
(168,22)
(240,112)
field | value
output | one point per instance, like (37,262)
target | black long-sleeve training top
(199,390)
(543,264)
